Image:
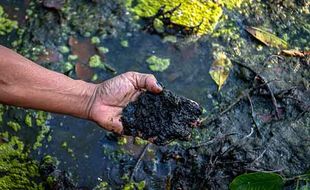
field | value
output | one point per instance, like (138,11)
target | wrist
(87,98)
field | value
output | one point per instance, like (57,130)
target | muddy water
(96,155)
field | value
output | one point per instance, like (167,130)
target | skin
(26,84)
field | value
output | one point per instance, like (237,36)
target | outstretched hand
(111,96)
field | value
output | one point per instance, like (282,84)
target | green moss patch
(6,25)
(158,64)
(191,13)
(17,171)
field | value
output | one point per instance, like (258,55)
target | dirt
(161,118)
(240,144)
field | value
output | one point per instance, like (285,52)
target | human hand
(111,96)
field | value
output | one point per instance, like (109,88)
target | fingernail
(159,84)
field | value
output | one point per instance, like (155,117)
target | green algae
(28,120)
(6,25)
(2,109)
(158,64)
(191,13)
(41,118)
(14,125)
(122,141)
(95,40)
(72,57)
(134,186)
(64,49)
(41,135)
(17,170)
(124,43)
(95,61)
(158,25)
(103,50)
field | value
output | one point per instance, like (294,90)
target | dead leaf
(267,38)
(219,70)
(295,53)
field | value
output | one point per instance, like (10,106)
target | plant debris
(219,70)
(267,38)
(160,118)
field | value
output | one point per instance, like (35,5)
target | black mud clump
(161,117)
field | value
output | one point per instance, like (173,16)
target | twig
(259,157)
(274,101)
(253,115)
(271,171)
(139,161)
(212,141)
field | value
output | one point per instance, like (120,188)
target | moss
(95,61)
(102,186)
(42,133)
(64,145)
(158,25)
(134,186)
(14,125)
(28,120)
(72,57)
(158,64)
(67,67)
(6,25)
(122,141)
(140,141)
(124,43)
(94,77)
(64,49)
(18,171)
(95,40)
(1,113)
(41,118)
(103,50)
(170,38)
(191,13)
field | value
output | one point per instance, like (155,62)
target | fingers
(145,81)
(114,124)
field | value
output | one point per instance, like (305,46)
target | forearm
(24,83)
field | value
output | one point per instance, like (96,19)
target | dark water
(93,148)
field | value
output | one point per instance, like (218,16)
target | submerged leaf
(219,70)
(267,38)
(257,181)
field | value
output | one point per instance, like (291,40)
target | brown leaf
(295,53)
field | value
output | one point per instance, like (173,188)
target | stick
(253,115)
(139,161)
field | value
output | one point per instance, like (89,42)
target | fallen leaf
(295,53)
(219,70)
(267,38)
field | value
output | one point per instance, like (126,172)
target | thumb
(146,81)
